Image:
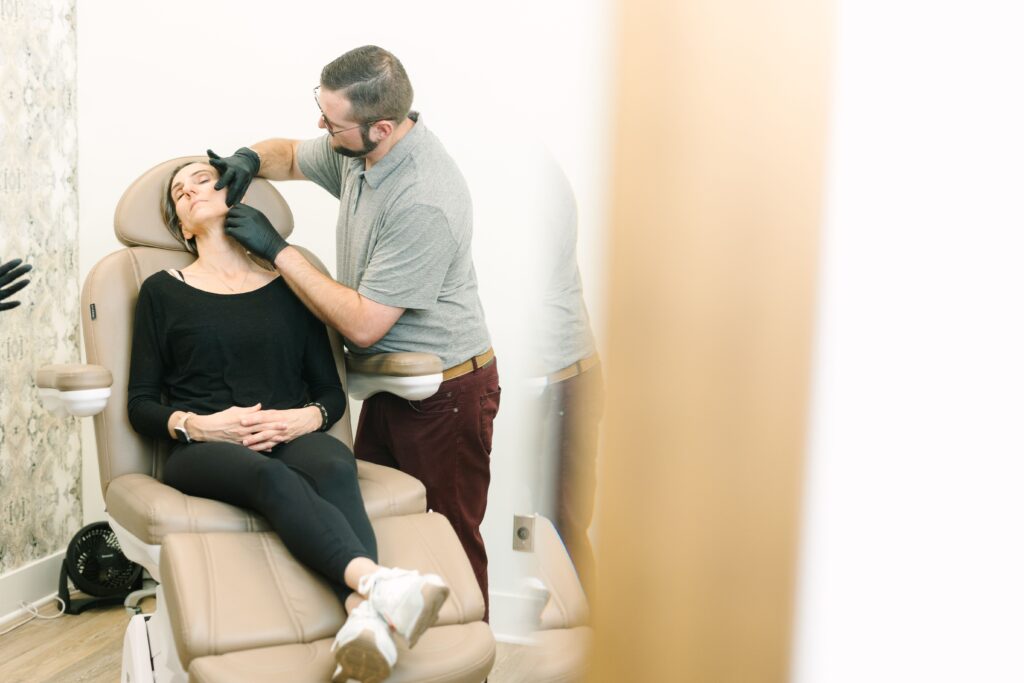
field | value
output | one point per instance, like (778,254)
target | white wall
(496,83)
(913,562)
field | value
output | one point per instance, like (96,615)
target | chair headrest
(138,221)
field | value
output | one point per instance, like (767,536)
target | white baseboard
(35,583)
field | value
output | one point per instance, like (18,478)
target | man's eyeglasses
(327,124)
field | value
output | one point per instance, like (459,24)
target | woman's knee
(342,469)
(337,481)
(326,446)
(321,456)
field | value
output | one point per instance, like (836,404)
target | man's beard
(368,146)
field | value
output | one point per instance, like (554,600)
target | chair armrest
(413,376)
(74,388)
(151,510)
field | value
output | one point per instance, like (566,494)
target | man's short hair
(374,81)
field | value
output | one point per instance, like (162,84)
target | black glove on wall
(9,272)
(250,227)
(236,172)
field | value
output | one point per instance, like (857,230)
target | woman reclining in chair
(251,386)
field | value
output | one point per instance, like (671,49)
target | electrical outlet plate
(522,533)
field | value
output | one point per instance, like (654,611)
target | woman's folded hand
(271,427)
(230,425)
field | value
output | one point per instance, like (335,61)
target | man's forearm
(279,159)
(357,318)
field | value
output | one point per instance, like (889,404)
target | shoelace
(367,583)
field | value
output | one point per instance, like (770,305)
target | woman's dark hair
(170,214)
(374,81)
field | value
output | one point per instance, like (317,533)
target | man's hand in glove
(236,172)
(254,231)
(9,272)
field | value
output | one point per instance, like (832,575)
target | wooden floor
(87,649)
(82,648)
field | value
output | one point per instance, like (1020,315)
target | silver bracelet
(323,415)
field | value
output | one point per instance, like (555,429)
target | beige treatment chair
(232,604)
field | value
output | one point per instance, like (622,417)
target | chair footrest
(234,593)
(461,653)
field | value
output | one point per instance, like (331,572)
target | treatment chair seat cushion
(461,653)
(150,509)
(230,592)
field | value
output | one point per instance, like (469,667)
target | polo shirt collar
(397,154)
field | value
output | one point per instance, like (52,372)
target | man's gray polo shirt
(405,231)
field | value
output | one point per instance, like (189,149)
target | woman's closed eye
(199,180)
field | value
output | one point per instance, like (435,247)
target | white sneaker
(363,647)
(408,601)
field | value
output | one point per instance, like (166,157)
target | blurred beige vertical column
(717,195)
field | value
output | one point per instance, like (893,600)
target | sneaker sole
(433,598)
(360,659)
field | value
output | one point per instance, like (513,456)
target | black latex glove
(9,272)
(250,227)
(236,172)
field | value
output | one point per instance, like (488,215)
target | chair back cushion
(108,309)
(138,221)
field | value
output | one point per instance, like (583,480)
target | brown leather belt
(468,366)
(577,368)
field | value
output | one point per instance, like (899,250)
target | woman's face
(195,200)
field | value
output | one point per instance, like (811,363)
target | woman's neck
(220,253)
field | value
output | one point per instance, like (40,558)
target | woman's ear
(186,233)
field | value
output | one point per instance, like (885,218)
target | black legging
(307,490)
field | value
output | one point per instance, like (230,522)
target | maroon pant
(445,442)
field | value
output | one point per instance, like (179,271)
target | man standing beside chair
(405,276)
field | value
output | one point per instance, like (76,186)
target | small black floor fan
(95,564)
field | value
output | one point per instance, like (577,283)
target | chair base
(149,654)
(145,554)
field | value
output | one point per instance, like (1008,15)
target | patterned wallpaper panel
(40,455)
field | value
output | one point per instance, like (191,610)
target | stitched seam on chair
(272,565)
(211,618)
(452,594)
(172,601)
(188,513)
(252,521)
(151,523)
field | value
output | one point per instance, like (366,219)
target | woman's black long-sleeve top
(202,352)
